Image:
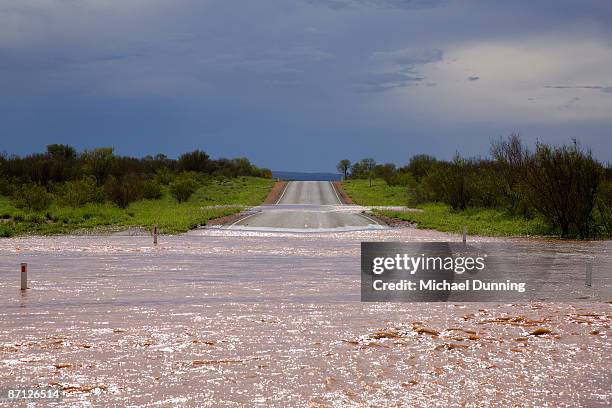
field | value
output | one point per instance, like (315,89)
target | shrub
(197,161)
(32,197)
(124,191)
(604,210)
(563,183)
(164,176)
(183,187)
(7,188)
(80,192)
(401,179)
(420,165)
(151,190)
(449,183)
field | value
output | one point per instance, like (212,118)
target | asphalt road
(306,205)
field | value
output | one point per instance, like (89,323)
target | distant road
(306,205)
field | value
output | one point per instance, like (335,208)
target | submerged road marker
(24,276)
(154,231)
(589,275)
(464,234)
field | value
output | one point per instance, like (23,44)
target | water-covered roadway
(308,206)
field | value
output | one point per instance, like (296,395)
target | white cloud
(515,81)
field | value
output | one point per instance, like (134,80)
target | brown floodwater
(247,318)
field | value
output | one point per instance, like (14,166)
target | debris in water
(540,331)
(427,330)
(385,334)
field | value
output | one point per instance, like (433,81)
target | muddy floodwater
(248,318)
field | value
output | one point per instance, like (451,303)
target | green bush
(183,187)
(125,190)
(151,190)
(80,192)
(32,197)
(164,176)
(7,187)
(401,179)
(6,230)
(603,211)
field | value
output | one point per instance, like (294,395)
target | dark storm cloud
(275,80)
(396,69)
(400,4)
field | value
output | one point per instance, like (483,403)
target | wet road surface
(307,206)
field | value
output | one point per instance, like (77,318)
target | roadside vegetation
(553,190)
(62,191)
(380,193)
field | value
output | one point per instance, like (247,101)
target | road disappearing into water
(306,206)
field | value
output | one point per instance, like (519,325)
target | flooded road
(306,206)
(218,317)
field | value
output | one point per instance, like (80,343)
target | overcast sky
(299,84)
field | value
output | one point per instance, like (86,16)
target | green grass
(170,216)
(379,194)
(479,221)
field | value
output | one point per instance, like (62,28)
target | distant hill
(299,176)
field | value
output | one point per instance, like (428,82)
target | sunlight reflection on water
(217,317)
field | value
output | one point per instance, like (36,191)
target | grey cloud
(408,57)
(569,103)
(397,69)
(397,4)
(473,78)
(606,89)
(379,82)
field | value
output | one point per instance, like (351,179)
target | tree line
(565,185)
(74,178)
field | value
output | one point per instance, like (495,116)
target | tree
(384,171)
(563,184)
(125,190)
(183,187)
(369,165)
(195,161)
(98,163)
(61,152)
(343,167)
(419,165)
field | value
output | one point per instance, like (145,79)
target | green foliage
(164,176)
(419,165)
(197,161)
(363,169)
(32,197)
(343,167)
(80,192)
(404,179)
(603,210)
(151,190)
(183,187)
(379,194)
(7,187)
(170,217)
(479,221)
(563,187)
(98,163)
(61,152)
(563,183)
(124,191)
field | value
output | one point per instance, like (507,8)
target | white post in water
(154,231)
(24,276)
(589,275)
(464,234)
